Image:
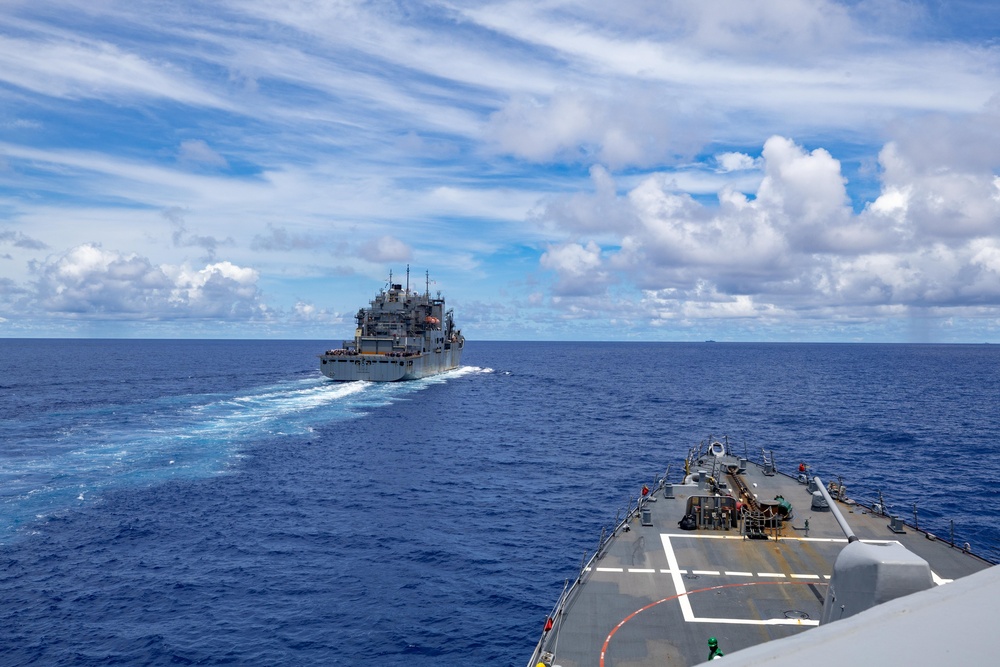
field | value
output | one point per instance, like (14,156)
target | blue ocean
(220,502)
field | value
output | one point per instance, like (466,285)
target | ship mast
(407,280)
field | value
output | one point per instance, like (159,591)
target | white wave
(461,371)
(284,400)
(467,370)
(192,436)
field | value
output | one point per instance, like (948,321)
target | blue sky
(649,170)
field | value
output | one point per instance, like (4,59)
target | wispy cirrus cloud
(84,68)
(749,166)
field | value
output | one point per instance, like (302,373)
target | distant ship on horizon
(402,335)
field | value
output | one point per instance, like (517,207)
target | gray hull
(384,368)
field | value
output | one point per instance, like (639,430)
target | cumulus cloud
(931,239)
(222,289)
(585,212)
(703,301)
(736,162)
(580,268)
(943,201)
(965,143)
(803,193)
(676,232)
(306,312)
(89,282)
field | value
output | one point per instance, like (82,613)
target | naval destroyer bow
(742,558)
(402,335)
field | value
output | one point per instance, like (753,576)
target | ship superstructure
(402,335)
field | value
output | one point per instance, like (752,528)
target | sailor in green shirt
(713,649)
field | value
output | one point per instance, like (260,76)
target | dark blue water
(209,502)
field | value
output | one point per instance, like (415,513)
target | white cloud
(736,162)
(591,212)
(304,312)
(89,282)
(221,290)
(82,68)
(579,268)
(198,151)
(796,246)
(21,240)
(280,239)
(704,302)
(941,201)
(386,249)
(629,126)
(745,69)
(573,259)
(576,154)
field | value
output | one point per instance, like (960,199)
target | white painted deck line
(783,538)
(728,573)
(682,600)
(685,603)
(750,621)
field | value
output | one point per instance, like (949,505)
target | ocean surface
(219,502)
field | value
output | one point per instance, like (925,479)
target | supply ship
(741,559)
(402,335)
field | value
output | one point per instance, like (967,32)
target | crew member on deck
(713,649)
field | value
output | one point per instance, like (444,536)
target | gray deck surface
(657,593)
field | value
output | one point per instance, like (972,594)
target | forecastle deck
(655,593)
